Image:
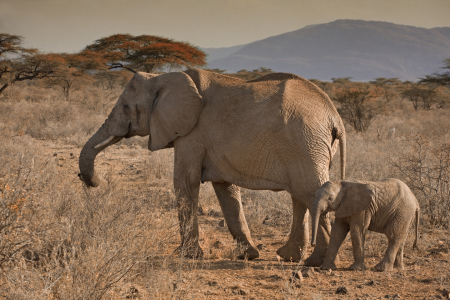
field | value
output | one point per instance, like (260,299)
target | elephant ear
(356,197)
(175,110)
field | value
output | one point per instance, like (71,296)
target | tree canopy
(142,53)
(24,63)
(438,78)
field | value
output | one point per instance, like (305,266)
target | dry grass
(60,240)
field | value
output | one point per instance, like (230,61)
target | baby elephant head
(345,198)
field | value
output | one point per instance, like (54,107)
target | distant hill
(363,50)
(216,53)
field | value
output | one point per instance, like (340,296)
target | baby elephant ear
(175,110)
(356,197)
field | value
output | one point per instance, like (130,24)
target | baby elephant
(386,206)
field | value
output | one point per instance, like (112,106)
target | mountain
(363,50)
(216,53)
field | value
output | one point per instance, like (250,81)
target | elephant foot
(328,266)
(399,265)
(290,253)
(383,266)
(357,267)
(316,259)
(250,253)
(193,252)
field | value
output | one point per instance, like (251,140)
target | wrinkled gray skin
(386,207)
(279,132)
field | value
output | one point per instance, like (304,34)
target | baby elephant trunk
(315,213)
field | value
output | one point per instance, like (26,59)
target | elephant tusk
(105,142)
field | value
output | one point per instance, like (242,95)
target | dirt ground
(220,276)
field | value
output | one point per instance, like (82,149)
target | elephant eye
(126,108)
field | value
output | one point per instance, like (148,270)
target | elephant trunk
(99,141)
(315,213)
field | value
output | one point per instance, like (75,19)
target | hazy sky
(70,25)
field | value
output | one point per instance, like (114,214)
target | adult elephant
(278,132)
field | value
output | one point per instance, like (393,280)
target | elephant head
(162,106)
(345,198)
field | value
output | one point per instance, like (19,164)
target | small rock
(275,277)
(212,283)
(296,276)
(132,294)
(260,246)
(308,272)
(267,218)
(372,283)
(201,212)
(218,245)
(446,293)
(242,292)
(222,223)
(342,290)
(71,154)
(397,296)
(213,213)
(55,154)
(31,255)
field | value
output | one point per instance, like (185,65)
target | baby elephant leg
(399,258)
(394,244)
(338,233)
(358,232)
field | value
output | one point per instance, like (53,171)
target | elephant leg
(187,186)
(358,235)
(296,246)
(229,196)
(338,233)
(394,244)
(399,258)
(317,257)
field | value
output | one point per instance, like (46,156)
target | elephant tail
(417,229)
(343,154)
(338,133)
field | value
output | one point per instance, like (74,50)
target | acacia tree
(386,85)
(250,75)
(426,94)
(356,107)
(68,79)
(108,80)
(439,78)
(23,63)
(143,53)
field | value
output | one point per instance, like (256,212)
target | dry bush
(266,208)
(50,118)
(426,170)
(63,240)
